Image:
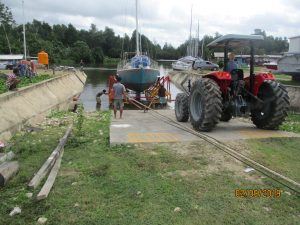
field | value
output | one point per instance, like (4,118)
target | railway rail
(279,178)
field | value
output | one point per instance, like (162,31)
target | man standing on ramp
(119,93)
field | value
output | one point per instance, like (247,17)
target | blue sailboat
(139,72)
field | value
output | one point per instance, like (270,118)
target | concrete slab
(139,127)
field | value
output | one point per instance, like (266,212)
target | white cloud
(165,20)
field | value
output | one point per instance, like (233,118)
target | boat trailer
(149,97)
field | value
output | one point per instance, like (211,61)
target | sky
(167,20)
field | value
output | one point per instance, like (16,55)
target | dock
(138,126)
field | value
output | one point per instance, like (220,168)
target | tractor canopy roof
(235,40)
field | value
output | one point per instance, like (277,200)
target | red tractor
(222,95)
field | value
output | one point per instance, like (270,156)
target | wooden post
(46,167)
(7,171)
(50,180)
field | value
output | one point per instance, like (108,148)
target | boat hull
(138,79)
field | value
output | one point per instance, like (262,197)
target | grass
(25,82)
(128,184)
(292,123)
(279,154)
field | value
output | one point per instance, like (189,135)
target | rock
(177,209)
(267,209)
(139,193)
(76,205)
(95,141)
(42,220)
(29,195)
(248,170)
(74,183)
(15,211)
(288,193)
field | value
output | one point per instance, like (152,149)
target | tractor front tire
(205,104)
(182,107)
(272,113)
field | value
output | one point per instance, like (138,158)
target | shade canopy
(235,40)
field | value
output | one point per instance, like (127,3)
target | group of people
(20,70)
(119,94)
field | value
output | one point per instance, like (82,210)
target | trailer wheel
(182,107)
(205,104)
(272,113)
(226,115)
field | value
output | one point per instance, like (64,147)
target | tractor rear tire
(205,104)
(273,112)
(182,107)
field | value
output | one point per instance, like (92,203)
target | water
(97,80)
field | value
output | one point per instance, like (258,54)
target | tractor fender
(259,80)
(222,78)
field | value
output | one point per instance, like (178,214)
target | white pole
(190,44)
(137,28)
(202,47)
(24,36)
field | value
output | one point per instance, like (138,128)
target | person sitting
(99,94)
(231,65)
(12,82)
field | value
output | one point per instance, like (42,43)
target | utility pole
(24,35)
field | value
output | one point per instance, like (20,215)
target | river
(97,80)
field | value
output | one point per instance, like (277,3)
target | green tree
(81,51)
(6,23)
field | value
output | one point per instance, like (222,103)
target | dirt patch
(217,160)
(69,173)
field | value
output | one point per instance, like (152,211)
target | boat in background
(187,62)
(184,63)
(271,65)
(137,71)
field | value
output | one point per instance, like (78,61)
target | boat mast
(190,42)
(24,36)
(197,42)
(202,47)
(137,29)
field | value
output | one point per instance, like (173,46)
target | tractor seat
(237,74)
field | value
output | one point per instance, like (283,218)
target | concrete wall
(294,94)
(181,79)
(30,104)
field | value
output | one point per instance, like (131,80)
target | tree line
(67,45)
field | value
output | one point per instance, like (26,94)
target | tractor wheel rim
(196,106)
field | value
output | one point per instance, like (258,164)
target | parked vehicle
(204,65)
(221,95)
(2,66)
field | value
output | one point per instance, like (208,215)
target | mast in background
(197,42)
(24,35)
(190,48)
(137,29)
(202,47)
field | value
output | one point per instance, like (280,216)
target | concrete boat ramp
(138,126)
